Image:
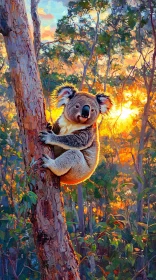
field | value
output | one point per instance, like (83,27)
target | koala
(75,135)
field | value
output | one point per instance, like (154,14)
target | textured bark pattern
(56,255)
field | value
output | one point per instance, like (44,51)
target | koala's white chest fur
(67,127)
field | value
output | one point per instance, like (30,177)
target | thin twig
(12,265)
(141,270)
(55,41)
(31,269)
(21,271)
(134,162)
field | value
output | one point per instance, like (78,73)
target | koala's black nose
(85,111)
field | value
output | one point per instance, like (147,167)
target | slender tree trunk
(80,209)
(84,74)
(107,68)
(140,259)
(36,26)
(56,255)
(148,85)
(82,247)
(140,161)
(91,53)
(91,258)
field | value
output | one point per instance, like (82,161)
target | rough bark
(55,252)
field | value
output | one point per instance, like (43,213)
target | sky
(50,11)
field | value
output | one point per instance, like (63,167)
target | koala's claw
(43,136)
(45,156)
(46,161)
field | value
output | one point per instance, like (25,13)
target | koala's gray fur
(75,135)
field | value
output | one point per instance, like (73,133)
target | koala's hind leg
(62,164)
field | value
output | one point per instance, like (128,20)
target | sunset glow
(124,112)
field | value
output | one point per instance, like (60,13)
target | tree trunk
(80,209)
(82,247)
(107,68)
(91,258)
(56,255)
(36,26)
(148,85)
(91,53)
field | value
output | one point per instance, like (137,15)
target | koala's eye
(92,110)
(77,106)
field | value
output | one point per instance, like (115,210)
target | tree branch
(134,162)
(139,272)
(12,265)
(31,269)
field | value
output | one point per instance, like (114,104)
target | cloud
(47,33)
(43,15)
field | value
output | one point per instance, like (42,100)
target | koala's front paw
(45,137)
(47,161)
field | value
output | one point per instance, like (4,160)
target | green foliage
(16,241)
(81,49)
(64,29)
(132,17)
(84,7)
(27,201)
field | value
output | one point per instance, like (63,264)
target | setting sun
(120,119)
(124,112)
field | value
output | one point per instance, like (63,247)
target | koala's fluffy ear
(104,102)
(65,93)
